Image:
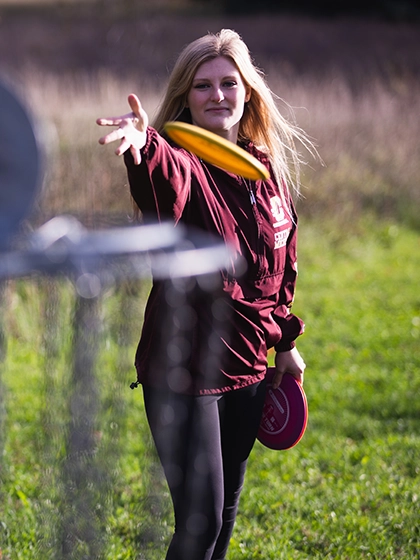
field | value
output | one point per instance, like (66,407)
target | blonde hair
(262,122)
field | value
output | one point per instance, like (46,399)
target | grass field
(349,490)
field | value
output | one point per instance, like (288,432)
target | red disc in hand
(285,413)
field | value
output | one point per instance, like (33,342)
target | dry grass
(354,87)
(82,177)
(368,142)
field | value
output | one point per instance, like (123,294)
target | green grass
(349,490)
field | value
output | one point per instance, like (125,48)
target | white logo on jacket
(280,238)
(278,212)
(280,219)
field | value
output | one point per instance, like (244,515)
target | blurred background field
(349,490)
(353,85)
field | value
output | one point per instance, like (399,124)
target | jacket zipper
(257,218)
(251,195)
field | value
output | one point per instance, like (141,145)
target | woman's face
(217,97)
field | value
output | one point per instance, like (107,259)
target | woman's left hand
(288,362)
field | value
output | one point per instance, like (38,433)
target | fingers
(131,130)
(110,121)
(276,382)
(297,373)
(278,376)
(138,112)
(135,104)
(123,147)
(113,121)
(291,362)
(298,377)
(136,155)
(112,136)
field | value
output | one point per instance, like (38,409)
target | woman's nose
(217,95)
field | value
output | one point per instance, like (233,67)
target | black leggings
(204,443)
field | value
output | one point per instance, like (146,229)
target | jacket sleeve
(291,325)
(160,185)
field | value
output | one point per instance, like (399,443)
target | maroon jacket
(171,183)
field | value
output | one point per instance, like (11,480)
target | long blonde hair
(262,122)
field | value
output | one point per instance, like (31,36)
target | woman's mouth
(217,110)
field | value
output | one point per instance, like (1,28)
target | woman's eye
(228,84)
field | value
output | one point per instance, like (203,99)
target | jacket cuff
(285,346)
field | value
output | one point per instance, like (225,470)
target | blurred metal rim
(64,246)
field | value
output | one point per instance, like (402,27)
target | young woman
(205,426)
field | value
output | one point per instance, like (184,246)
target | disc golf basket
(187,263)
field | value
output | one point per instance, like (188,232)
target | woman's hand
(288,362)
(131,129)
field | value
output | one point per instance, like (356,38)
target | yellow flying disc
(216,150)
